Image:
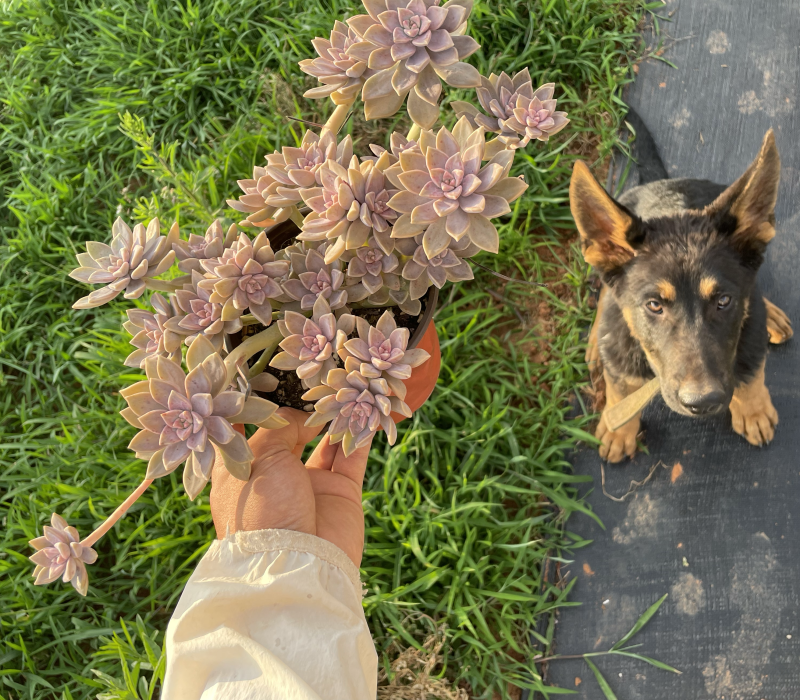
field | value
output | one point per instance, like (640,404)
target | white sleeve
(271,615)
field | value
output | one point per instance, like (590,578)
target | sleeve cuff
(283,540)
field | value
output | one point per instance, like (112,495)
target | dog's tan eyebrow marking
(666,290)
(708,286)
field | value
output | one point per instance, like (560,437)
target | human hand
(322,497)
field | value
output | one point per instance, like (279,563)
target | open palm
(322,497)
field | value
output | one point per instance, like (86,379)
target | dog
(680,301)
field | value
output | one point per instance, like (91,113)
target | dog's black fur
(678,260)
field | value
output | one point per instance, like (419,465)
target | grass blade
(601,681)
(652,662)
(641,622)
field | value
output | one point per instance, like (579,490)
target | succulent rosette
(349,206)
(413,46)
(187,418)
(498,97)
(316,280)
(536,117)
(402,297)
(382,352)
(273,190)
(449,194)
(150,331)
(342,75)
(309,343)
(197,248)
(246,276)
(394,289)
(133,257)
(60,554)
(372,270)
(397,144)
(198,315)
(356,407)
(422,271)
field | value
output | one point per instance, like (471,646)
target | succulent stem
(337,119)
(162,286)
(261,364)
(267,341)
(296,216)
(111,520)
(250,320)
(414,132)
(366,305)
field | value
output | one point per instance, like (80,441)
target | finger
(331,457)
(354,466)
(291,438)
(323,455)
(225,492)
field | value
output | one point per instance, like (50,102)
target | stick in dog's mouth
(621,413)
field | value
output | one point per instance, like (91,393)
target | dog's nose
(701,400)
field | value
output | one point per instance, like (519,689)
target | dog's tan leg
(754,416)
(620,443)
(779,326)
(592,348)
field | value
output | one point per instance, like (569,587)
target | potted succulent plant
(322,297)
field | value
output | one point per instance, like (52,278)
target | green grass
(461,514)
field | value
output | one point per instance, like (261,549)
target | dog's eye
(723,301)
(654,306)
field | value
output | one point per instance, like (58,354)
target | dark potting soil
(290,390)
(402,319)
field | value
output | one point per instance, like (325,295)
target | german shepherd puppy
(680,300)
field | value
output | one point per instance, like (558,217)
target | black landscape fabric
(717,527)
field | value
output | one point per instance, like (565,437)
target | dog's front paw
(779,326)
(593,356)
(617,444)
(755,420)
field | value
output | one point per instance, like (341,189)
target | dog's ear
(751,199)
(602,223)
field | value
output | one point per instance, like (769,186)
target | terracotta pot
(423,378)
